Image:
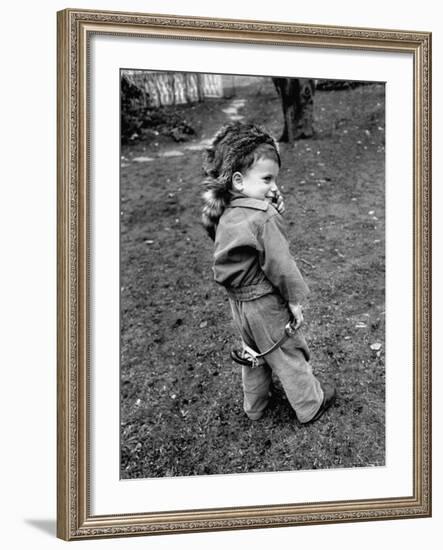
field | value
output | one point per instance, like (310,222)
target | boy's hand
(279,202)
(297,313)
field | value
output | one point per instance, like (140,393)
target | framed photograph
(244,318)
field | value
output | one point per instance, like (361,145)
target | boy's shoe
(329,395)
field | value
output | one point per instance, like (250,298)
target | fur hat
(232,150)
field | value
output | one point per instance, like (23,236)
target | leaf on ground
(376,346)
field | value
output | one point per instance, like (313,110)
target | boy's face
(259,181)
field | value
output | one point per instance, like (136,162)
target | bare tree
(297,99)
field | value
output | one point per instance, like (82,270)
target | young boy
(253,262)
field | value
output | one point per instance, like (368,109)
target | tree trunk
(297,99)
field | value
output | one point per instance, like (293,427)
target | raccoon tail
(214,204)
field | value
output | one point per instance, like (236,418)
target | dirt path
(232,114)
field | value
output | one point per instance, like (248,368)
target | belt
(250,292)
(251,358)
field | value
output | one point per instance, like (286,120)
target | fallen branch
(307,263)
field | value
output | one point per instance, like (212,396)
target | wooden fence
(173,88)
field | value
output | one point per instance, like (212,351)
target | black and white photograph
(252,274)
(222,259)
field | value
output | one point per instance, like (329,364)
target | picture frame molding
(75,29)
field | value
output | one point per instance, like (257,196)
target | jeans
(261,323)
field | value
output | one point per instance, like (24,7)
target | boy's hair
(235,148)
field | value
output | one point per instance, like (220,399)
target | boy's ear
(237,181)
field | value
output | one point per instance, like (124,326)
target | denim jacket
(251,253)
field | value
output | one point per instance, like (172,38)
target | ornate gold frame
(73,515)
